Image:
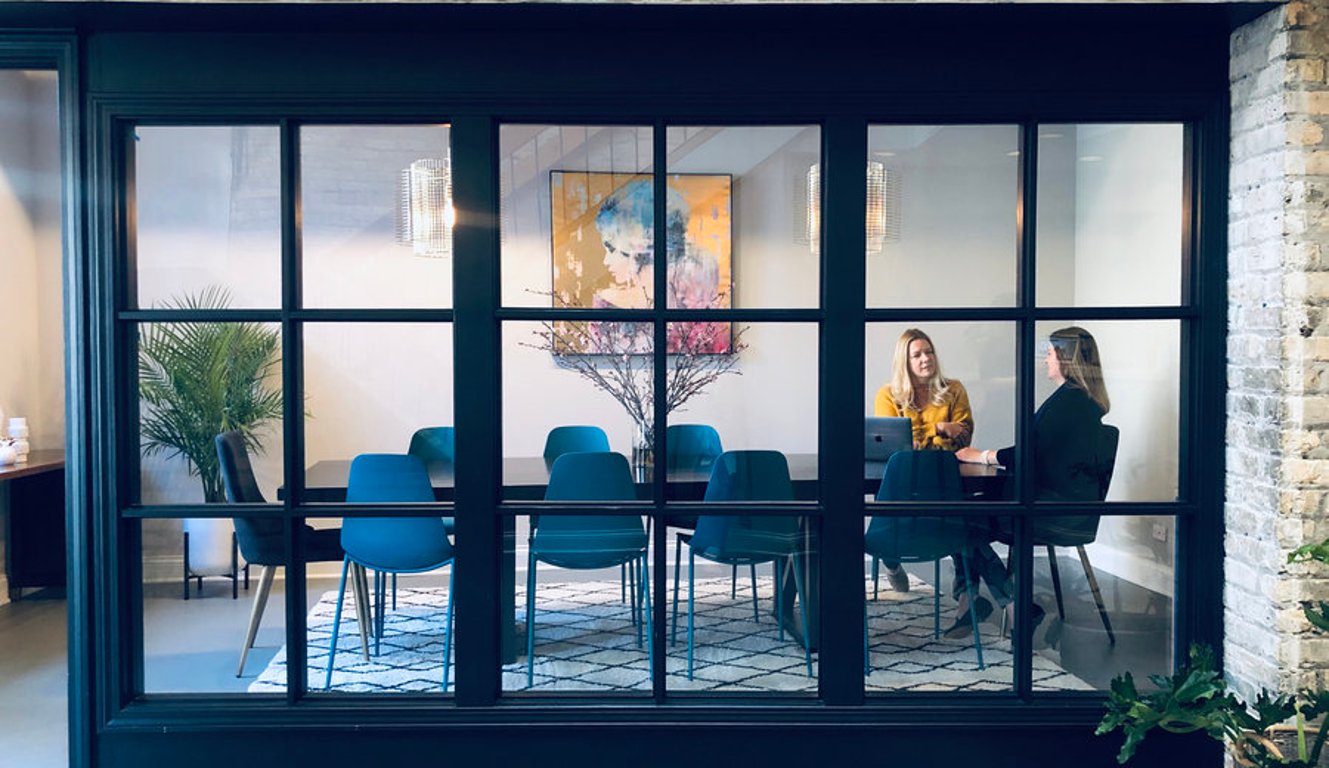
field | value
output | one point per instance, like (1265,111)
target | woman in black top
(1067,466)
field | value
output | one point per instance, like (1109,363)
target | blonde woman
(937,406)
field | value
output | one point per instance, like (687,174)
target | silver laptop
(884,435)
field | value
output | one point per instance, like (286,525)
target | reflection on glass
(969,377)
(197,380)
(743,206)
(1107,597)
(953,241)
(556,401)
(577,193)
(375,199)
(1131,367)
(921,621)
(208,213)
(1109,214)
(734,625)
(201,633)
(582,588)
(370,388)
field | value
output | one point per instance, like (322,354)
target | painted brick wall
(1278,346)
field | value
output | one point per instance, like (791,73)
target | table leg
(788,613)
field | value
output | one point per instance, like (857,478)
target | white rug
(585,641)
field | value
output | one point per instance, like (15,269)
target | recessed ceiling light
(1050,135)
(1090,158)
(884,153)
(1013,153)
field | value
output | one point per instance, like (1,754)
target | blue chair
(694,448)
(745,540)
(575,439)
(921,476)
(391,544)
(587,542)
(434,444)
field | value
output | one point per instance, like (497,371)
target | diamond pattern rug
(585,641)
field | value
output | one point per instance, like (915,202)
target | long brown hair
(1077,352)
(902,385)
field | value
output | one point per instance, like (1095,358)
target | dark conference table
(525,479)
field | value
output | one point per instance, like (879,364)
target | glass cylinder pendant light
(425,215)
(883,207)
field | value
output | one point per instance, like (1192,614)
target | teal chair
(694,448)
(745,540)
(434,444)
(390,544)
(588,542)
(574,439)
(921,476)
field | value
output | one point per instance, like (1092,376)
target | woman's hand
(953,430)
(971,455)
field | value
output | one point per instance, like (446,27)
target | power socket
(1160,531)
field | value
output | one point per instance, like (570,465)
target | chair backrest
(575,439)
(918,476)
(434,444)
(1108,438)
(747,476)
(393,543)
(589,541)
(691,447)
(259,538)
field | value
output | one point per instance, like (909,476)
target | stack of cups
(18,432)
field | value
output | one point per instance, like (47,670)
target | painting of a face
(603,233)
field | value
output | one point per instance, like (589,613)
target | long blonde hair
(1077,353)
(902,385)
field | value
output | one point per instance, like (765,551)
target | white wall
(32,380)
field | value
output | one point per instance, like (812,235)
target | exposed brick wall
(1278,346)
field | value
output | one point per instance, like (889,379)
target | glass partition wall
(660,525)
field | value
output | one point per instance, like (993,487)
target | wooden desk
(35,539)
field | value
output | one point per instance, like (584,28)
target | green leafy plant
(1197,698)
(198,379)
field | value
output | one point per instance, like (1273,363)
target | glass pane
(585,579)
(207,214)
(918,644)
(198,596)
(197,380)
(970,383)
(1137,362)
(375,388)
(577,215)
(744,589)
(1110,608)
(377,216)
(558,400)
(741,197)
(762,397)
(395,630)
(947,217)
(1109,214)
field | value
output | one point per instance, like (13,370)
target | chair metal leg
(733,582)
(362,606)
(447,638)
(623,583)
(186,551)
(973,614)
(876,565)
(1056,581)
(394,591)
(530,619)
(779,595)
(680,539)
(646,606)
(380,599)
(336,618)
(756,610)
(867,653)
(235,567)
(936,599)
(255,613)
(801,596)
(692,584)
(1098,596)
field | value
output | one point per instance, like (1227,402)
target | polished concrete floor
(192,646)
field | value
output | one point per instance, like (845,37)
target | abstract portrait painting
(604,256)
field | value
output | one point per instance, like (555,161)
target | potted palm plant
(196,380)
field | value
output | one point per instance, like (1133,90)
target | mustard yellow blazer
(954,407)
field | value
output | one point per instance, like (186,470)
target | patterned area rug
(585,640)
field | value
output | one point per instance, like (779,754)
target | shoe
(898,579)
(964,626)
